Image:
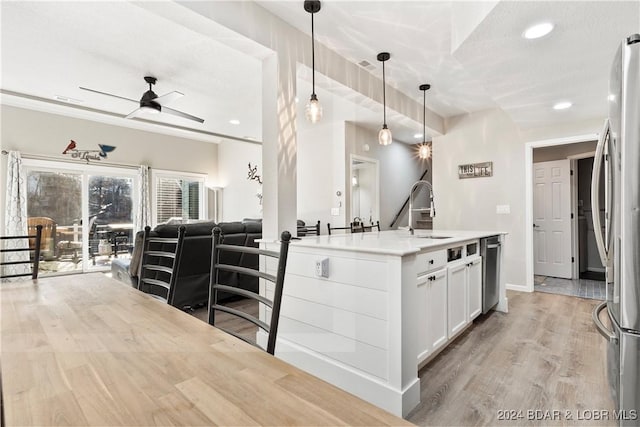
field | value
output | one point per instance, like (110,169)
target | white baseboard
(519,288)
(596,269)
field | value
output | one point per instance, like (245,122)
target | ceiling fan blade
(181,114)
(108,94)
(134,113)
(168,98)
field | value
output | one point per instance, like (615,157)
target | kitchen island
(364,311)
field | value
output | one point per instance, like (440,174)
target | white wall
(399,167)
(320,171)
(239,198)
(40,133)
(470,204)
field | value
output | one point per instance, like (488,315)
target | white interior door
(552,219)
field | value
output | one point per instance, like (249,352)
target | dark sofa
(192,288)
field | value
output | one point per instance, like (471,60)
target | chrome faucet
(432,209)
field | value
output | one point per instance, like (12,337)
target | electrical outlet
(335,211)
(322,267)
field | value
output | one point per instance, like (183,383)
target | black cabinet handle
(431,261)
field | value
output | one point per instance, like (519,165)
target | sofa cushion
(192,229)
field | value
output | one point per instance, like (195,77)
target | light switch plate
(335,211)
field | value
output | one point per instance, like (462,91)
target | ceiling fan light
(384,136)
(424,152)
(149,109)
(313,110)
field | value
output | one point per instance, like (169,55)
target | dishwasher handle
(494,245)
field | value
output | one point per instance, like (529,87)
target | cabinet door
(474,287)
(437,309)
(456,297)
(423,314)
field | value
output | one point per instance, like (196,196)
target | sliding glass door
(87,213)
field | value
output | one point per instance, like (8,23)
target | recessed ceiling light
(234,121)
(562,105)
(538,30)
(417,135)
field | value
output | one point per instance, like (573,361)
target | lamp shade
(384,136)
(313,110)
(424,152)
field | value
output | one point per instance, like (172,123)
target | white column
(279,146)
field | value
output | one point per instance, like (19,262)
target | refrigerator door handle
(595,315)
(595,194)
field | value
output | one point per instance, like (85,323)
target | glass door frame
(85,170)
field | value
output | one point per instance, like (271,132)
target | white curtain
(15,216)
(143,212)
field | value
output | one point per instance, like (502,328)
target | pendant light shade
(424,151)
(384,136)
(313,110)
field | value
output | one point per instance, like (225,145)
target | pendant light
(424,151)
(313,110)
(384,136)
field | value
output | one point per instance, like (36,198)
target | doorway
(365,190)
(571,142)
(87,212)
(565,259)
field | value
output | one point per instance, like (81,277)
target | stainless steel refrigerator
(618,151)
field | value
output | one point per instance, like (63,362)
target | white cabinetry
(474,287)
(464,290)
(437,310)
(432,294)
(457,297)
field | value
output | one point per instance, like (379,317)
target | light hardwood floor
(544,355)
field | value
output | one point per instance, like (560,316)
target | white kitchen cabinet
(456,297)
(474,287)
(432,290)
(437,310)
(423,314)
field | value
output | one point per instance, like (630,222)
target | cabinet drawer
(430,261)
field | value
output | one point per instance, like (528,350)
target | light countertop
(391,242)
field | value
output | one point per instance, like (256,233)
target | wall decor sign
(88,154)
(475,170)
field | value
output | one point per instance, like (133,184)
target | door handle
(595,194)
(595,315)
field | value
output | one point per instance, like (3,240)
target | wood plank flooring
(544,355)
(231,322)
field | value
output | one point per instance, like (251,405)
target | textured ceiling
(472,53)
(491,64)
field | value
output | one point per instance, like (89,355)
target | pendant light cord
(424,116)
(313,58)
(384,97)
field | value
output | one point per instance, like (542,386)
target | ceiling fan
(152,103)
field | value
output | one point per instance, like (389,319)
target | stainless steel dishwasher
(490,251)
